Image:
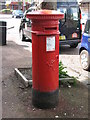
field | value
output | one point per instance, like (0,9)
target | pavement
(17,100)
(13,56)
(74,68)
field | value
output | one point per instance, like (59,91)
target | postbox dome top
(45,14)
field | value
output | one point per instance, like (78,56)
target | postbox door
(46,72)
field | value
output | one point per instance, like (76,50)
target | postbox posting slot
(51,28)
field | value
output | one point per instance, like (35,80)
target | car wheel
(21,35)
(74,45)
(85,60)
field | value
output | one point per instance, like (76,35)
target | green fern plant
(62,73)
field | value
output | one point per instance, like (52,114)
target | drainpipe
(88,9)
(24,6)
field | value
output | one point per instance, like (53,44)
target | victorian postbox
(45,57)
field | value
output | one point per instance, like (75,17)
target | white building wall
(2,4)
(89,11)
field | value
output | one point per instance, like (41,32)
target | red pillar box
(45,57)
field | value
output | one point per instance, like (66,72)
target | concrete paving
(13,56)
(73,68)
(17,100)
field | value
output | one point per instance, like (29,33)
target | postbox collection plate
(50,43)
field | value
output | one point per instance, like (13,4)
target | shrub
(6,11)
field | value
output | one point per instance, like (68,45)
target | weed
(63,74)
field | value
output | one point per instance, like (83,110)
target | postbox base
(45,100)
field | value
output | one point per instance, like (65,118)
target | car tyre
(74,45)
(85,60)
(21,35)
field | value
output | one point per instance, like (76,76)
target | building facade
(18,4)
(85,6)
(2,4)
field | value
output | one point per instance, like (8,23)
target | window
(62,10)
(87,27)
(73,13)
